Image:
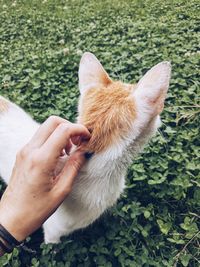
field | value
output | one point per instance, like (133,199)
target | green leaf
(147,214)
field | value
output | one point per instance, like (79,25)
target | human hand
(35,191)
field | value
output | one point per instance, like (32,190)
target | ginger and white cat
(122,118)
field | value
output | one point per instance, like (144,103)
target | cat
(121,117)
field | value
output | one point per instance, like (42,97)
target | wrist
(13,224)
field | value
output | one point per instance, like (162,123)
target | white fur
(99,183)
(16,129)
(91,72)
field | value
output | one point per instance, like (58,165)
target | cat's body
(119,132)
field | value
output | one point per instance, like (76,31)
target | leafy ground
(156,222)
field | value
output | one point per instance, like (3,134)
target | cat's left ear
(91,73)
(152,88)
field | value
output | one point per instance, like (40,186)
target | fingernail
(88,155)
(76,140)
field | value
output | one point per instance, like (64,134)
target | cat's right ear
(91,73)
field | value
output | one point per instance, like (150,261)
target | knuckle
(23,153)
(34,160)
(57,120)
(83,129)
(53,119)
(81,126)
(64,127)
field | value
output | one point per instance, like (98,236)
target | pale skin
(34,192)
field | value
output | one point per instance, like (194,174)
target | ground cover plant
(157,220)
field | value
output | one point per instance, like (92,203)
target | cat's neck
(108,163)
(117,158)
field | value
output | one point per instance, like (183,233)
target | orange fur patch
(4,104)
(108,113)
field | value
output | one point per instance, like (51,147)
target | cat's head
(115,111)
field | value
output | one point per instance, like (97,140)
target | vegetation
(157,220)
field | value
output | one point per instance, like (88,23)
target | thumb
(69,172)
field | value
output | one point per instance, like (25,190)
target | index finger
(61,137)
(45,130)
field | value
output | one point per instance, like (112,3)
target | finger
(45,130)
(68,147)
(76,140)
(60,138)
(63,153)
(70,171)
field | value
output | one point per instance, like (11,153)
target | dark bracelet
(9,239)
(5,247)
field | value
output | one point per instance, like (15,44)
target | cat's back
(16,129)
